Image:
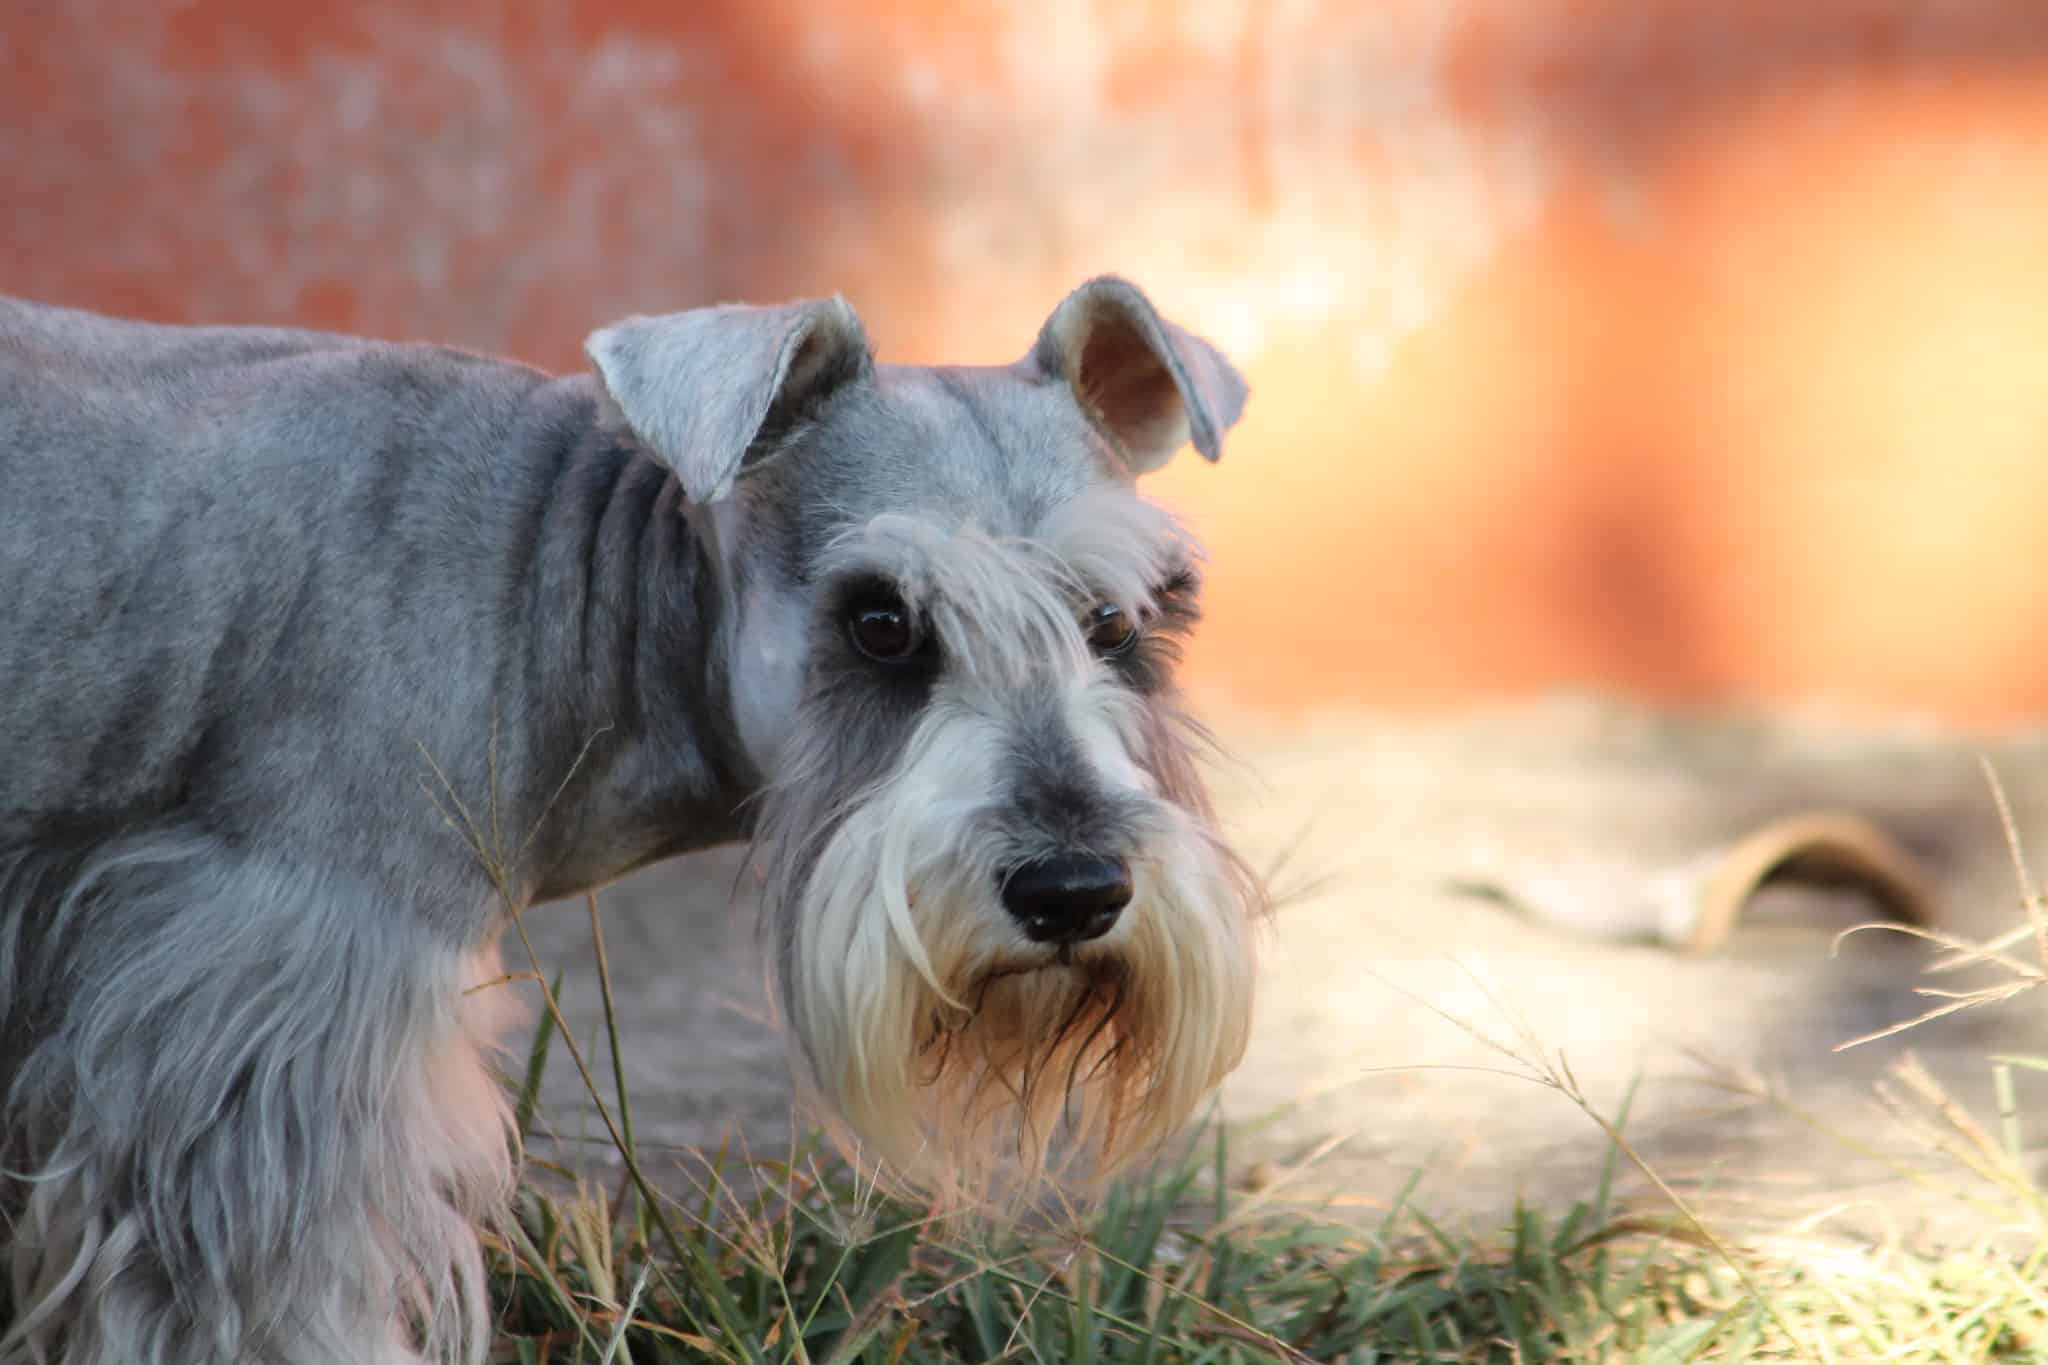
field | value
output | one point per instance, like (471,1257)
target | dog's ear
(711,392)
(1149,386)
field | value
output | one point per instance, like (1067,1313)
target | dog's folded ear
(712,392)
(1148,385)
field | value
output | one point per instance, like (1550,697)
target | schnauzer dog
(323,656)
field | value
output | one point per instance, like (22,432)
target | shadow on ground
(1356,1060)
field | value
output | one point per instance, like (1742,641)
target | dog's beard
(971,1078)
(961,1060)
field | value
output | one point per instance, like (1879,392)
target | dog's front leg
(259,1118)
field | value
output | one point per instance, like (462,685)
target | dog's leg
(257,1115)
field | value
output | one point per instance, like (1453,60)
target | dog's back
(169,496)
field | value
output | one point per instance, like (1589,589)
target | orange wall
(1698,348)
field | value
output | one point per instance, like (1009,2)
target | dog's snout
(1069,899)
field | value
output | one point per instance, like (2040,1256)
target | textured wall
(1698,348)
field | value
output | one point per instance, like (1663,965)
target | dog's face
(1001,911)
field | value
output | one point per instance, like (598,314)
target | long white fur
(902,939)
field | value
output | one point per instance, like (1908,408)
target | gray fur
(699,387)
(219,1114)
(322,654)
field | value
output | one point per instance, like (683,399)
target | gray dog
(320,656)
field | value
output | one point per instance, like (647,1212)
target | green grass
(809,1266)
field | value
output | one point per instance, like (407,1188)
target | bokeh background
(1694,349)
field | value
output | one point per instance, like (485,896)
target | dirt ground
(1430,870)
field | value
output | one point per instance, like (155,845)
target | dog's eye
(883,630)
(1110,631)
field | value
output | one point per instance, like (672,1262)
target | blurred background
(1689,349)
(1675,351)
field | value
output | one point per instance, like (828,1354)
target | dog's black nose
(1067,900)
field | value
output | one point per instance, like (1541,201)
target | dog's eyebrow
(1105,549)
(1122,546)
(1175,608)
(1181,580)
(906,552)
(1174,588)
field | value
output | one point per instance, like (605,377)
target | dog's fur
(319,656)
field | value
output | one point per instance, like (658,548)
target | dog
(323,656)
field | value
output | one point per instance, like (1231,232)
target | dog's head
(1002,915)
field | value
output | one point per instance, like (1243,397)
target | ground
(1416,860)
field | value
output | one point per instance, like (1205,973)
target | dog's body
(318,655)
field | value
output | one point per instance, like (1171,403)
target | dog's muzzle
(1067,899)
